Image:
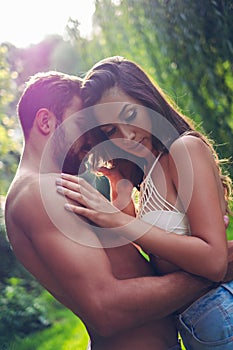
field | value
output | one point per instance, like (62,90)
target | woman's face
(125,122)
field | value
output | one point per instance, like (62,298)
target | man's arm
(83,272)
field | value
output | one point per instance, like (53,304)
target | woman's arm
(205,252)
(80,275)
(197,183)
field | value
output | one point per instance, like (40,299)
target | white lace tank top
(157,211)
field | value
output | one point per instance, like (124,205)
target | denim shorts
(208,322)
(176,347)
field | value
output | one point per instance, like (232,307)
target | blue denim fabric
(175,347)
(208,322)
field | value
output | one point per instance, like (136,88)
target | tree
(10,141)
(197,36)
(186,46)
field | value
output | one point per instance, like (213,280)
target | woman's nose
(128,132)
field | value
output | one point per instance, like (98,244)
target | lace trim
(150,199)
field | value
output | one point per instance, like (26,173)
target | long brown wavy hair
(130,78)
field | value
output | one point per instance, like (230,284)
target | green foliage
(187,47)
(10,142)
(10,147)
(67,332)
(8,262)
(230,230)
(21,312)
(197,38)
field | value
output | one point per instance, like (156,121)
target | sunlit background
(27,22)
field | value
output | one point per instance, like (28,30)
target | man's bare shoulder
(23,199)
(34,205)
(24,192)
(21,188)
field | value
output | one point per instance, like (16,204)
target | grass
(230,229)
(66,333)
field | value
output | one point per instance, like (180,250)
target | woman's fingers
(73,195)
(90,214)
(74,186)
(78,210)
(100,219)
(77,185)
(94,206)
(77,180)
(90,199)
(69,177)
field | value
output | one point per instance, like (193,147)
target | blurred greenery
(22,312)
(186,46)
(66,331)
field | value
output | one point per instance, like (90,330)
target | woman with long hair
(184,197)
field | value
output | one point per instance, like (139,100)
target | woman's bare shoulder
(190,148)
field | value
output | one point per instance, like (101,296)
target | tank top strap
(150,198)
(154,164)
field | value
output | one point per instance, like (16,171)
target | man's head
(52,91)
(45,107)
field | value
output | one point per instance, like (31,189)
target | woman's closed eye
(130,114)
(127,116)
(109,130)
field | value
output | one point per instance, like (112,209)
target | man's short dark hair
(52,90)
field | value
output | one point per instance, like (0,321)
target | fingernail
(67,207)
(60,189)
(58,181)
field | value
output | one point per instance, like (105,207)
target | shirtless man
(113,291)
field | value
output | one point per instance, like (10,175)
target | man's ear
(45,121)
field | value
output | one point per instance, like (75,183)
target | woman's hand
(94,206)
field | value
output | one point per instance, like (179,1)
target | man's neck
(31,161)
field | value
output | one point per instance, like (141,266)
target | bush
(21,311)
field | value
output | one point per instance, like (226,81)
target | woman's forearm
(190,253)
